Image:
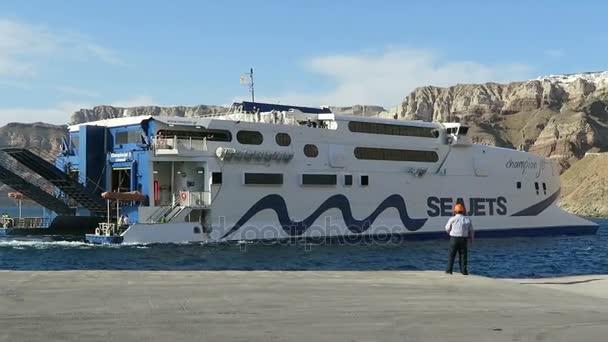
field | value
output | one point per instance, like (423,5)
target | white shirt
(459,225)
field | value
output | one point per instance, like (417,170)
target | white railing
(178,144)
(106,229)
(192,199)
(25,222)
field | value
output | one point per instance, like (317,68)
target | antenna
(251,85)
(248,79)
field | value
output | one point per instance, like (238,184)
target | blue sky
(59,56)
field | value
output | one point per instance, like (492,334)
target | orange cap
(458,208)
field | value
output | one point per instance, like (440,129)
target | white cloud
(386,78)
(60,113)
(555,53)
(23,46)
(107,55)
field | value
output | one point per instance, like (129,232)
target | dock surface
(298,306)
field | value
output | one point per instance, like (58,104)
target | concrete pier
(298,306)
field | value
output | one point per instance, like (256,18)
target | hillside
(585,186)
(561,117)
(110,112)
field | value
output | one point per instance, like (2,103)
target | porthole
(197,230)
(311,151)
(283,139)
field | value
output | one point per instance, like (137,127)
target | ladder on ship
(70,187)
(33,190)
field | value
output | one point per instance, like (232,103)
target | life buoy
(97,231)
(183,196)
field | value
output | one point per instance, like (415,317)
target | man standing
(460,229)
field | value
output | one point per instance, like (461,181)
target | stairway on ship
(34,192)
(73,189)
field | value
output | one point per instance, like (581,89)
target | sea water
(501,258)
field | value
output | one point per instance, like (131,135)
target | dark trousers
(458,245)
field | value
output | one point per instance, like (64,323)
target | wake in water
(41,243)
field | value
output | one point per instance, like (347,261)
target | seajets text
(442,206)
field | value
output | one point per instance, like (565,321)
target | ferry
(280,172)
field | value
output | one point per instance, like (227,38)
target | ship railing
(195,199)
(65,166)
(160,215)
(106,229)
(25,222)
(178,144)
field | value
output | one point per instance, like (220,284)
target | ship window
(75,141)
(388,129)
(536,187)
(283,139)
(518,185)
(463,130)
(200,134)
(121,138)
(545,188)
(216,178)
(311,151)
(127,137)
(373,153)
(250,137)
(134,137)
(197,230)
(264,178)
(348,180)
(319,179)
(364,180)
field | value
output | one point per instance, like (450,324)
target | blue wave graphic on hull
(340,202)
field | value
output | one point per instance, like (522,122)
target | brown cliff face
(110,112)
(560,117)
(43,136)
(585,186)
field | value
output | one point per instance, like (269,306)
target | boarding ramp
(34,190)
(85,196)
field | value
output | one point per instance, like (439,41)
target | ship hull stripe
(296,228)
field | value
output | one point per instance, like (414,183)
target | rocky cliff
(585,186)
(361,110)
(40,135)
(561,117)
(110,112)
